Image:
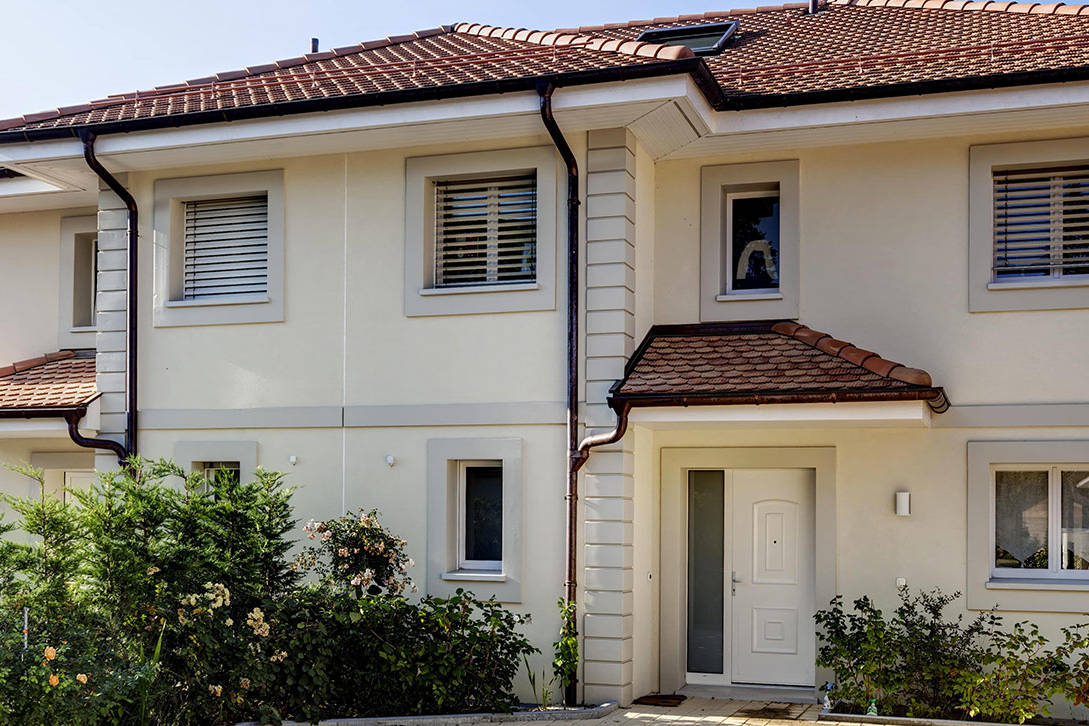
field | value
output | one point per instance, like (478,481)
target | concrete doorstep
(552,714)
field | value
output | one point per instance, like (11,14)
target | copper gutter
(129,447)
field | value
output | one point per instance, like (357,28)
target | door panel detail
(775,542)
(775,630)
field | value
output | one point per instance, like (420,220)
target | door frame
(675,464)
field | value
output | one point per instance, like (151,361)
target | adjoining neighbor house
(354,267)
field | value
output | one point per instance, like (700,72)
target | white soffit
(891,119)
(883,414)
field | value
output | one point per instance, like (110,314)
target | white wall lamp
(903,504)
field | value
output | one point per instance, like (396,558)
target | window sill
(83,329)
(225,300)
(474,576)
(1039,284)
(429,291)
(1037,583)
(745,297)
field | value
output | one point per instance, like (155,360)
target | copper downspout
(129,448)
(73,417)
(570,585)
(577,452)
(545,92)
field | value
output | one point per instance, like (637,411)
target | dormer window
(706,39)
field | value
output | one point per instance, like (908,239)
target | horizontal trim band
(456,414)
(1013,415)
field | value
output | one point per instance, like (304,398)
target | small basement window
(213,470)
(706,39)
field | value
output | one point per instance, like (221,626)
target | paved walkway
(710,711)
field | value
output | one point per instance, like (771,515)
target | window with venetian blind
(1041,222)
(226,247)
(486,230)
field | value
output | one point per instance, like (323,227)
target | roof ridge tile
(577,36)
(858,356)
(993,6)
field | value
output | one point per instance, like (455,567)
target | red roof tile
(55,380)
(778,55)
(763,362)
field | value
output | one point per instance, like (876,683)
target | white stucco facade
(350,375)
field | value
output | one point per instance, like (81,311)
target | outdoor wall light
(390,460)
(903,504)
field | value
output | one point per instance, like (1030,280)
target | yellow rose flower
(50,652)
(81,677)
(54,679)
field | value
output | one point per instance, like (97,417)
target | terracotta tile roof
(763,362)
(779,55)
(54,380)
(439,57)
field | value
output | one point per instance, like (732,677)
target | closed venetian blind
(226,247)
(1041,221)
(486,230)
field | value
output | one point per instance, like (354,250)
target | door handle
(734,578)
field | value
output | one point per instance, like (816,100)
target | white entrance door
(773,577)
(751,577)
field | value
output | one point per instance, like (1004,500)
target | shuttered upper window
(486,230)
(1041,222)
(226,247)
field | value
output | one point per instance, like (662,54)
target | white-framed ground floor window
(474,517)
(1041,521)
(480,515)
(1028,525)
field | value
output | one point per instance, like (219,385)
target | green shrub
(921,663)
(156,604)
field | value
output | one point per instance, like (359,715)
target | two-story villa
(418,273)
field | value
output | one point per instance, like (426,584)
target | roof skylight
(706,39)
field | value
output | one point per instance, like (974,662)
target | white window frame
(986,294)
(421,297)
(170,309)
(718,301)
(1054,523)
(447,569)
(463,562)
(1028,590)
(69,334)
(730,273)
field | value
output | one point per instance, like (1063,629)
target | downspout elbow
(72,418)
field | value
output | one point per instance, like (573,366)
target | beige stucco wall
(884,255)
(344,257)
(30,283)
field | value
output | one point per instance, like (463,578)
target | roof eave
(696,67)
(934,396)
(913,88)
